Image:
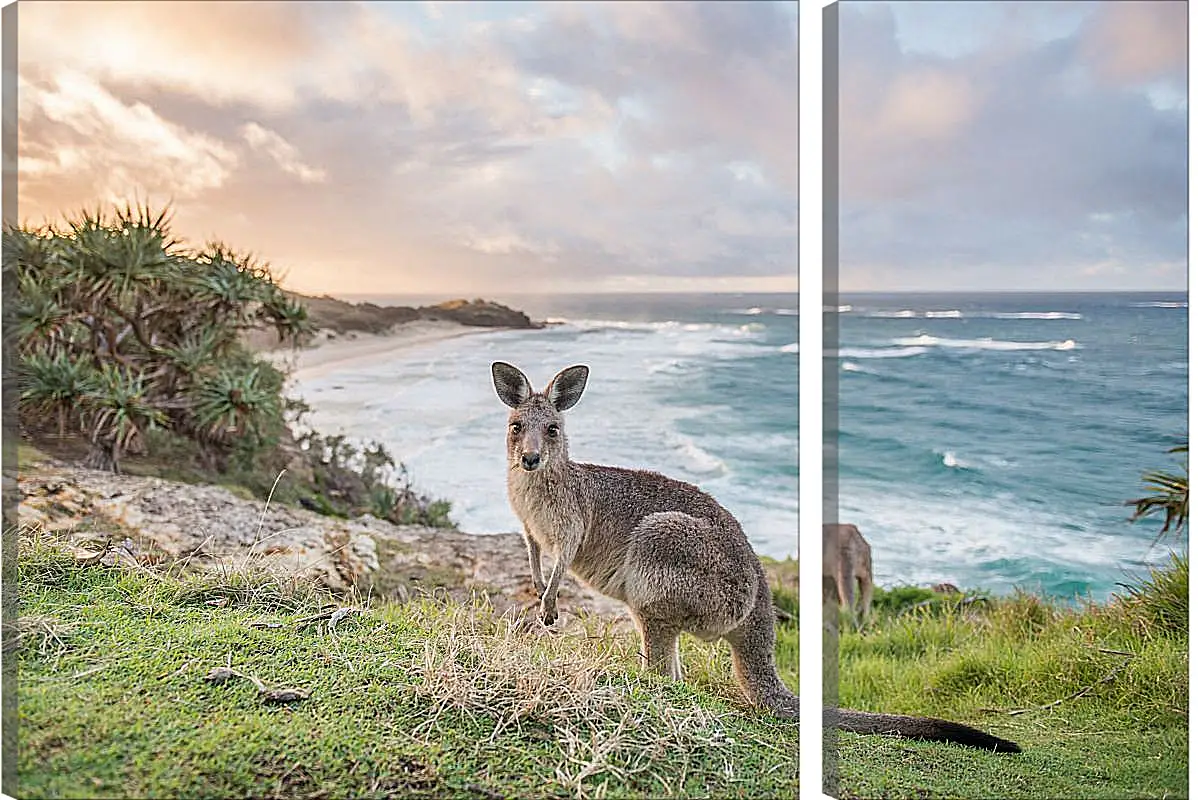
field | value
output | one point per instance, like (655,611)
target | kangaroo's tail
(927,728)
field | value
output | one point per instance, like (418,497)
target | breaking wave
(982,344)
(954,313)
(1030,315)
(877,352)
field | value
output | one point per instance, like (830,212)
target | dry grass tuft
(45,634)
(611,724)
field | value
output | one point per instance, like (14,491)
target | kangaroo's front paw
(548,611)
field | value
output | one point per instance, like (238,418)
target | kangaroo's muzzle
(530,461)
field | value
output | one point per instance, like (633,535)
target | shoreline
(330,351)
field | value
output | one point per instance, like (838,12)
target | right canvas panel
(1006,376)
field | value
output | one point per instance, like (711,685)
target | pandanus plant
(118,328)
(1168,496)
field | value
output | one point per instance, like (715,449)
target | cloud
(1041,162)
(455,147)
(282,152)
(258,53)
(721,76)
(109,144)
(1132,43)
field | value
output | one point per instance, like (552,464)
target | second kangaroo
(677,558)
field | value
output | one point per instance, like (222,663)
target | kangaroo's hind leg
(659,647)
(684,574)
(753,659)
(847,581)
(865,598)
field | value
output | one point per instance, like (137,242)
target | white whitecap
(925,340)
(876,352)
(694,459)
(951,461)
(1030,314)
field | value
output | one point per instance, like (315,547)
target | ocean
(703,388)
(990,440)
(986,440)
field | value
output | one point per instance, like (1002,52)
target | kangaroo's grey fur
(666,549)
(848,570)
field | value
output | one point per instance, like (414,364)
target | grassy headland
(1096,695)
(429,698)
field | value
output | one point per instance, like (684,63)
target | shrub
(129,339)
(120,330)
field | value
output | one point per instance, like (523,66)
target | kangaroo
(674,556)
(848,567)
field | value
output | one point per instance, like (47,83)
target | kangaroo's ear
(566,387)
(510,384)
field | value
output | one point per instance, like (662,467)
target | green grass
(1105,686)
(429,698)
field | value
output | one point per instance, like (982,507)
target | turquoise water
(700,387)
(990,440)
(985,440)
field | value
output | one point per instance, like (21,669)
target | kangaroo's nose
(530,460)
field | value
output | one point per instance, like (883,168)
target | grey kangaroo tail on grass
(926,728)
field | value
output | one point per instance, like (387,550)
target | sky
(433,148)
(1021,146)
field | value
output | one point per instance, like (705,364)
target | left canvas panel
(407,399)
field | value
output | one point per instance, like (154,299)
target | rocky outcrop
(329,313)
(335,318)
(210,527)
(478,312)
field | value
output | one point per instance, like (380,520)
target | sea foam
(876,352)
(924,340)
(1029,315)
(954,313)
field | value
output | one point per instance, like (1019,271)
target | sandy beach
(330,351)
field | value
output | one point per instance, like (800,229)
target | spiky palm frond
(118,407)
(29,250)
(53,384)
(1168,495)
(196,349)
(39,317)
(288,317)
(235,402)
(231,285)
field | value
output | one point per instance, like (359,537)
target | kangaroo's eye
(516,427)
(552,431)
